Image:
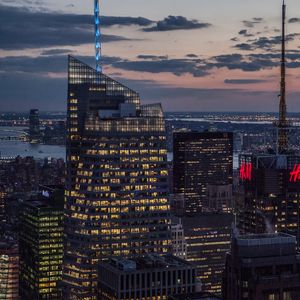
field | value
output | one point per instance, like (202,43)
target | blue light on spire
(97,36)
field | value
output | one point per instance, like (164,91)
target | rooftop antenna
(97,35)
(282,122)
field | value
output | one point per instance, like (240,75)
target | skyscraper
(271,181)
(116,186)
(201,158)
(41,247)
(271,189)
(34,126)
(208,239)
(9,270)
(262,267)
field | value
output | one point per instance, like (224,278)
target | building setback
(152,277)
(201,158)
(117,180)
(262,267)
(41,248)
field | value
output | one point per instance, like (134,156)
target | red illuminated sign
(295,174)
(246,171)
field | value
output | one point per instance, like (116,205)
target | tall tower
(282,123)
(97,35)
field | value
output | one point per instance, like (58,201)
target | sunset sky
(190,55)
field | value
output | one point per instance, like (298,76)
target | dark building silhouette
(34,126)
(201,158)
(41,246)
(148,277)
(117,180)
(262,267)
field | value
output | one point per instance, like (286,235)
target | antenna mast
(97,35)
(283,124)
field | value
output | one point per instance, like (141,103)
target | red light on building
(246,171)
(295,174)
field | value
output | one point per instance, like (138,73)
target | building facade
(152,277)
(117,180)
(262,267)
(201,158)
(34,126)
(41,248)
(271,194)
(179,245)
(9,270)
(208,238)
(219,198)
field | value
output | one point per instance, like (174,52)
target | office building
(41,247)
(117,179)
(9,270)
(34,126)
(201,158)
(262,267)
(151,277)
(208,238)
(271,194)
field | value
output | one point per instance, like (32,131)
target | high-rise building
(271,189)
(41,247)
(116,186)
(9,270)
(262,267)
(150,277)
(271,181)
(201,158)
(208,238)
(34,126)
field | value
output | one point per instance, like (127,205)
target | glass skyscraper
(116,187)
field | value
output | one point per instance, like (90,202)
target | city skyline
(215,57)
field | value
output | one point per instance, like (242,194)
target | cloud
(244,46)
(176,23)
(176,66)
(294,20)
(191,55)
(251,23)
(245,33)
(265,43)
(45,64)
(125,21)
(243,81)
(52,52)
(152,57)
(22,28)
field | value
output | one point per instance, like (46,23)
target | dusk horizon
(189,57)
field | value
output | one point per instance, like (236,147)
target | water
(38,151)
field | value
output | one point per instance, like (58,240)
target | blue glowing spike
(97,36)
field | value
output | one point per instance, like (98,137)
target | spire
(282,124)
(97,36)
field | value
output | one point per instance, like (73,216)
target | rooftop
(265,239)
(150,261)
